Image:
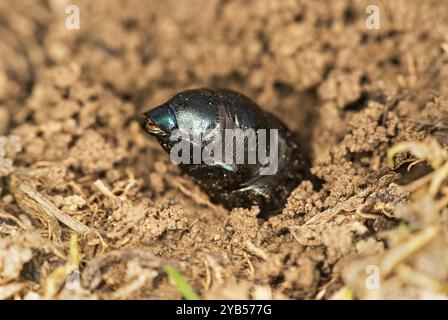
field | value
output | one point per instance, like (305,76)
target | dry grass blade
(10,289)
(8,216)
(430,150)
(410,275)
(51,210)
(397,254)
(258,252)
(438,179)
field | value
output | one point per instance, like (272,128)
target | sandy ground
(74,161)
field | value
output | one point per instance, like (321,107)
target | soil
(70,107)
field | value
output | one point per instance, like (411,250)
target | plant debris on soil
(91,208)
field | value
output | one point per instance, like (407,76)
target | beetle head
(160,121)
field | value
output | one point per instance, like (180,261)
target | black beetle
(208,113)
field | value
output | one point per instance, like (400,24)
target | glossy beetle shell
(238,185)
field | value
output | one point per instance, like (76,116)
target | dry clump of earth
(83,192)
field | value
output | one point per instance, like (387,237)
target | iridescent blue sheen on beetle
(240,185)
